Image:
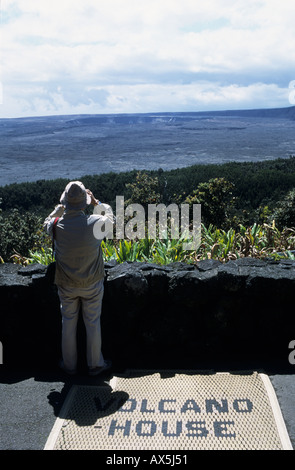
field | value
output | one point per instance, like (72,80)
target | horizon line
(220,111)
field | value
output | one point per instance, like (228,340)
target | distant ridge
(287,113)
(278,113)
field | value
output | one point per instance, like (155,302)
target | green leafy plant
(216,198)
(256,241)
(43,256)
(18,233)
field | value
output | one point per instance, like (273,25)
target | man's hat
(75,196)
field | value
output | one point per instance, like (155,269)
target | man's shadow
(86,404)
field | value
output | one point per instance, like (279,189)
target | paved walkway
(30,404)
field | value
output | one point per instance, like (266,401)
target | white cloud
(145,98)
(133,50)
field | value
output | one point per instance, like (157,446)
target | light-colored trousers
(90,299)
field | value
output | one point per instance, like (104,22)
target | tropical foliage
(258,241)
(19,233)
(248,209)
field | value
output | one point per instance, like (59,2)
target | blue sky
(136,56)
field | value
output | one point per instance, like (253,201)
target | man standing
(79,272)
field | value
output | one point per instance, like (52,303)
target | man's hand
(94,201)
(58,211)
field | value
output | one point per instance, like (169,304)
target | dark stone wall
(213,315)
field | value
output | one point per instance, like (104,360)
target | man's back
(77,250)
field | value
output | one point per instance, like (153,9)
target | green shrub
(217,200)
(284,214)
(19,233)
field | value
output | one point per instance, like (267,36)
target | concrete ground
(30,403)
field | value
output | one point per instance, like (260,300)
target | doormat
(172,411)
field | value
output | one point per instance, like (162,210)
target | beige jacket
(78,254)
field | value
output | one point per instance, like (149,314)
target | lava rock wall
(209,315)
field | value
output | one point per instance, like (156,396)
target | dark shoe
(98,370)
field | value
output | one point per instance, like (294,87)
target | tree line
(230,194)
